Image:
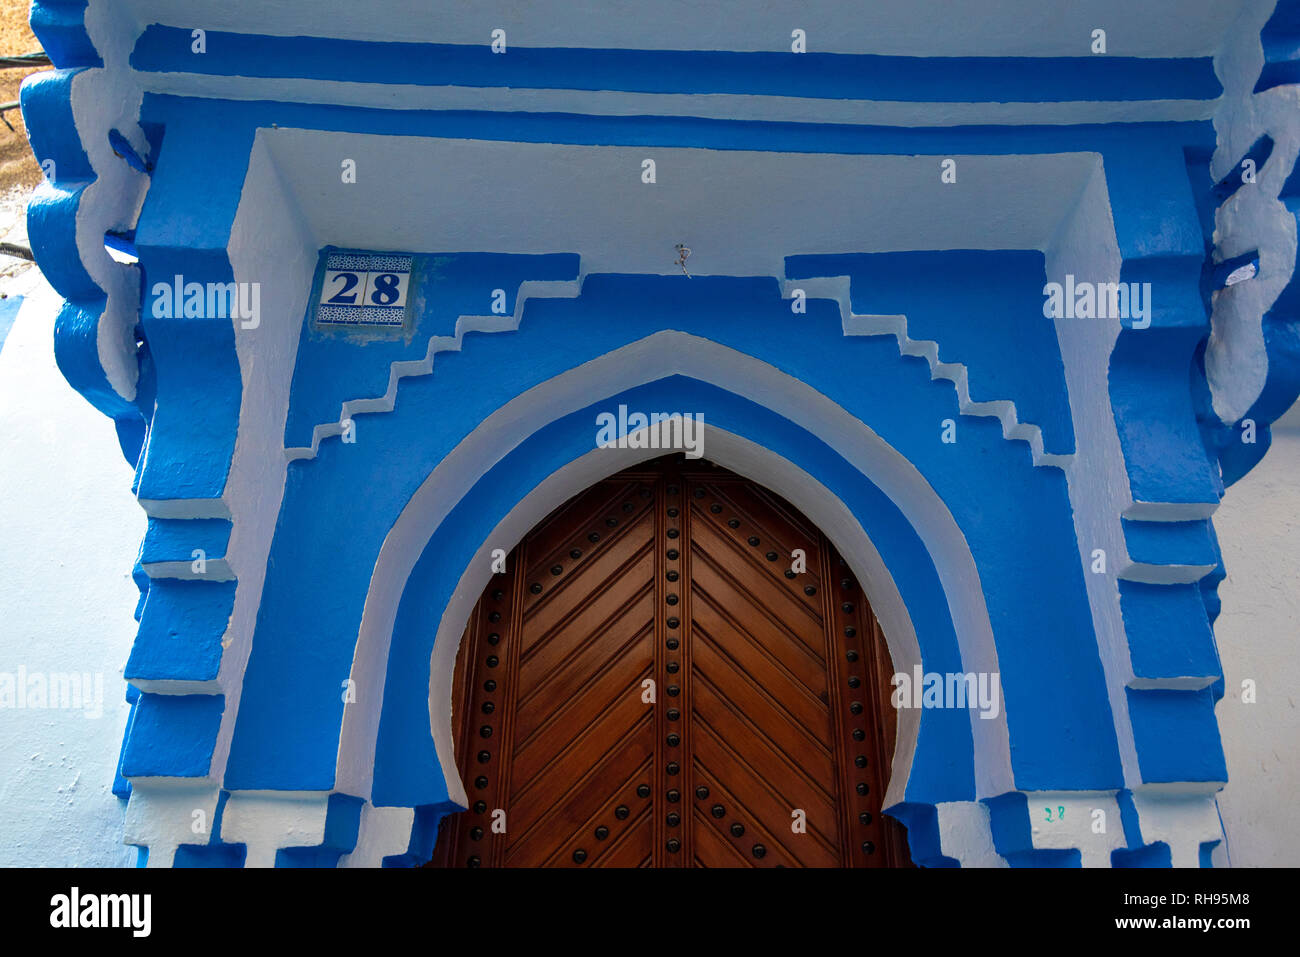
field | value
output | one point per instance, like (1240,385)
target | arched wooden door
(651,684)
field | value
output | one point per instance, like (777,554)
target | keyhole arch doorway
(676,669)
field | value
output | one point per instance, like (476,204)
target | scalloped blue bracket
(46,100)
(1280,325)
(1160,401)
(1281,330)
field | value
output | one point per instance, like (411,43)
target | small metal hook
(683,254)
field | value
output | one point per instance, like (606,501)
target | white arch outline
(662,354)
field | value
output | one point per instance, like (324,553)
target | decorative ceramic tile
(360,289)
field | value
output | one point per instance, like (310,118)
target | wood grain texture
(771,689)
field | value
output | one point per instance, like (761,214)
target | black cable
(19,252)
(38,58)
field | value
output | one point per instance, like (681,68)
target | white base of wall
(1259,531)
(70,531)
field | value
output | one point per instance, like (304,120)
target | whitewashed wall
(70,529)
(1259,638)
(69,532)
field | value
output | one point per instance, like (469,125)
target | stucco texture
(1259,531)
(66,600)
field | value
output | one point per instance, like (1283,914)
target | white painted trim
(722,106)
(216,570)
(1086,244)
(383,832)
(966,834)
(106,98)
(577,198)
(1154,28)
(1149,574)
(268,228)
(162,814)
(1075,830)
(1170,511)
(268,821)
(1183,821)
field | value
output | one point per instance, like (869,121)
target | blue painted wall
(1018,524)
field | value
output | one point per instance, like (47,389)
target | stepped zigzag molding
(836,288)
(404,368)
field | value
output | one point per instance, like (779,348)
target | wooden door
(675,670)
